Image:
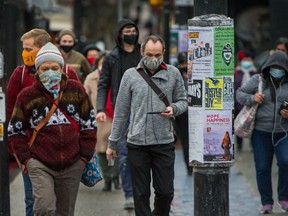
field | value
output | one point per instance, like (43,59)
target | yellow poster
(213,93)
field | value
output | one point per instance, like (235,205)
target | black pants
(182,133)
(160,160)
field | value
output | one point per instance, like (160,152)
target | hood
(120,26)
(277,58)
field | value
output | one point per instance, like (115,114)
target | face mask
(29,57)
(91,60)
(246,64)
(66,49)
(130,39)
(152,63)
(51,79)
(277,73)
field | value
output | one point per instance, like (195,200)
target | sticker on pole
(1,132)
(2,107)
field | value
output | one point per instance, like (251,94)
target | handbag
(245,120)
(91,174)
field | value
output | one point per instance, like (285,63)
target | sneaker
(283,205)
(266,209)
(129,203)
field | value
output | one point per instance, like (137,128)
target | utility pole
(166,9)
(211,174)
(120,10)
(4,156)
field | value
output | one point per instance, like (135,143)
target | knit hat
(49,52)
(66,32)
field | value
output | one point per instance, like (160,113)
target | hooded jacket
(268,118)
(136,98)
(113,68)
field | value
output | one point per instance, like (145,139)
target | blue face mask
(277,73)
(51,79)
(246,64)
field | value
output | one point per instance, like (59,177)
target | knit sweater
(57,144)
(21,78)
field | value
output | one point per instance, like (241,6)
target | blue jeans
(29,200)
(264,151)
(124,167)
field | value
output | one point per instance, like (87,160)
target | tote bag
(245,120)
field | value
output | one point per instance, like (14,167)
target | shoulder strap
(155,88)
(22,76)
(44,121)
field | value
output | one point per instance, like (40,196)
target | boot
(107,186)
(117,184)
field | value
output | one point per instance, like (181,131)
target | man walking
(150,137)
(125,55)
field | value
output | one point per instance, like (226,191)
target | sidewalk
(243,195)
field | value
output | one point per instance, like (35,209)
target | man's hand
(168,113)
(101,117)
(110,153)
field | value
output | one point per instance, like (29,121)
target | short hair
(154,38)
(41,37)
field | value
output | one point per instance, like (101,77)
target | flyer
(214,93)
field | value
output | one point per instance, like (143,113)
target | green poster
(224,51)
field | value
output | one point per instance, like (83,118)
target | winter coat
(113,69)
(268,118)
(57,145)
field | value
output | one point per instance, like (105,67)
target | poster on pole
(214,128)
(213,93)
(200,50)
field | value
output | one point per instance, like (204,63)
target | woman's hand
(284,113)
(259,98)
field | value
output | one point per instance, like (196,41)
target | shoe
(107,186)
(266,209)
(283,205)
(129,203)
(117,184)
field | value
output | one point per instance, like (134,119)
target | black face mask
(66,48)
(130,39)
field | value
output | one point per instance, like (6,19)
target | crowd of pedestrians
(121,117)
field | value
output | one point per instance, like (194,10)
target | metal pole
(120,10)
(203,7)
(4,156)
(211,180)
(166,30)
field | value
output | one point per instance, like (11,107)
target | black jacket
(111,73)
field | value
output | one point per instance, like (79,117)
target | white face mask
(152,63)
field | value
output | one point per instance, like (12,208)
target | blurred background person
(110,173)
(67,40)
(243,72)
(269,137)
(91,52)
(182,132)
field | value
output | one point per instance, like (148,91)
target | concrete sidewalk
(243,195)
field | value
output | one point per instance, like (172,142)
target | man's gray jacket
(136,98)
